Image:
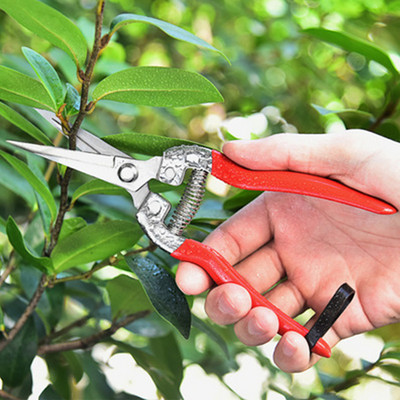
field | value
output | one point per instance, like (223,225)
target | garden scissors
(103,161)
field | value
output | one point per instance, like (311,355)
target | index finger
(235,239)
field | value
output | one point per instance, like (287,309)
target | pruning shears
(101,160)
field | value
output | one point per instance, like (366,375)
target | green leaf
(390,129)
(94,242)
(133,300)
(171,30)
(14,182)
(34,181)
(16,239)
(50,394)
(22,123)
(75,365)
(22,89)
(354,44)
(96,186)
(392,344)
(47,74)
(240,199)
(34,164)
(165,296)
(157,87)
(2,327)
(150,326)
(17,357)
(211,334)
(96,387)
(152,145)
(393,370)
(282,392)
(49,24)
(71,225)
(352,118)
(211,210)
(155,367)
(166,350)
(395,355)
(72,100)
(328,380)
(60,374)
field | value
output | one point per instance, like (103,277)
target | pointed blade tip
(23,145)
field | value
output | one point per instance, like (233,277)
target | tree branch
(26,314)
(86,78)
(88,74)
(10,268)
(76,324)
(109,262)
(7,396)
(90,341)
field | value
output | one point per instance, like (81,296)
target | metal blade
(85,140)
(125,172)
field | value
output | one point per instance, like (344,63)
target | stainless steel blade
(85,140)
(125,172)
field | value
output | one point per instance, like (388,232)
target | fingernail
(289,347)
(225,305)
(254,328)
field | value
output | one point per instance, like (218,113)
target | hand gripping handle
(221,272)
(294,182)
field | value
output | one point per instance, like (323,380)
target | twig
(85,275)
(26,314)
(86,78)
(7,396)
(10,268)
(63,208)
(52,164)
(90,341)
(151,247)
(87,75)
(109,262)
(76,324)
(351,381)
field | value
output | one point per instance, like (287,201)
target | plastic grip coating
(221,272)
(294,182)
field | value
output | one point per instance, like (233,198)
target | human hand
(316,244)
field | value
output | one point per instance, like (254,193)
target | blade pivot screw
(127,173)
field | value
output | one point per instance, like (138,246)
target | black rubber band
(338,303)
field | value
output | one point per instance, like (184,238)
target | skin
(316,244)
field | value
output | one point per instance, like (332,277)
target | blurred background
(279,78)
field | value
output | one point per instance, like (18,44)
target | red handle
(294,182)
(221,272)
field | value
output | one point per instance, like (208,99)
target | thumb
(357,158)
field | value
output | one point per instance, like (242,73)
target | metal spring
(189,202)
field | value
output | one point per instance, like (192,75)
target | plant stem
(7,396)
(10,268)
(105,263)
(347,383)
(86,80)
(26,314)
(88,74)
(90,341)
(52,164)
(85,275)
(76,324)
(64,180)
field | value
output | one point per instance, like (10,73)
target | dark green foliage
(293,65)
(163,293)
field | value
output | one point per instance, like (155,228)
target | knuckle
(227,304)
